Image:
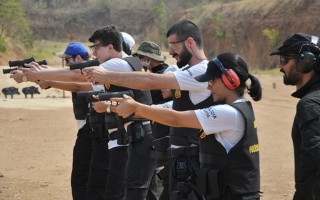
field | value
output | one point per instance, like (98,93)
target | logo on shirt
(107,86)
(210,112)
(254,124)
(203,135)
(254,148)
(177,94)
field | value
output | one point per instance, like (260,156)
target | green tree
(272,36)
(161,21)
(13,23)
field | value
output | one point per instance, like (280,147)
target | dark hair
(237,64)
(108,35)
(86,57)
(184,29)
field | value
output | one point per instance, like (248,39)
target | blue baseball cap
(74,49)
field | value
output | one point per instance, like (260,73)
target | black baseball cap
(213,72)
(294,43)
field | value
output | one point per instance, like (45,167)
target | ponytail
(254,90)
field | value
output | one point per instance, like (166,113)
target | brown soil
(37,137)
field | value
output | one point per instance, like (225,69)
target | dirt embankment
(235,26)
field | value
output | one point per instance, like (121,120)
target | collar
(312,85)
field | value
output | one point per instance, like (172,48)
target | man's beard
(292,78)
(185,57)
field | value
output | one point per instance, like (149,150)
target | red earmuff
(231,80)
(229,77)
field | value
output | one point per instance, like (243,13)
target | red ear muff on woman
(229,77)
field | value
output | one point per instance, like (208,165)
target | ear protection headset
(125,46)
(306,60)
(229,77)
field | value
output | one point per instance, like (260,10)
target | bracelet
(108,107)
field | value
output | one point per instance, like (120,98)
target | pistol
(107,96)
(7,71)
(88,95)
(84,64)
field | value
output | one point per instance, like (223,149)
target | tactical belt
(183,152)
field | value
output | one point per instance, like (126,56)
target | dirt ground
(37,137)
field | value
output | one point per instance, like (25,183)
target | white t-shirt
(225,121)
(116,65)
(198,91)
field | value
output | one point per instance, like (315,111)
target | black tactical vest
(182,102)
(239,169)
(143,97)
(159,130)
(157,94)
(80,107)
(140,96)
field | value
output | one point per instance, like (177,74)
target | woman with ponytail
(229,148)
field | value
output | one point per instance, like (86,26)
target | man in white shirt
(185,42)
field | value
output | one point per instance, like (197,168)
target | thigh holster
(208,184)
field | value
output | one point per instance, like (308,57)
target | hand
(166,93)
(126,106)
(96,75)
(32,69)
(43,84)
(100,106)
(16,75)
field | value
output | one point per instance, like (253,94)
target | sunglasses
(67,58)
(285,59)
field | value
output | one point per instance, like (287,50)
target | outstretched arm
(162,115)
(135,80)
(36,72)
(68,86)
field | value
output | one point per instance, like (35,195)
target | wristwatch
(24,78)
(108,107)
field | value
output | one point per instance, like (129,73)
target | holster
(120,135)
(138,132)
(208,184)
(163,173)
(181,174)
(161,147)
(113,120)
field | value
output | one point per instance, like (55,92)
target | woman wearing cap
(229,149)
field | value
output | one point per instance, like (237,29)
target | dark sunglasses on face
(285,59)
(67,58)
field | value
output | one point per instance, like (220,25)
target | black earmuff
(306,60)
(229,77)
